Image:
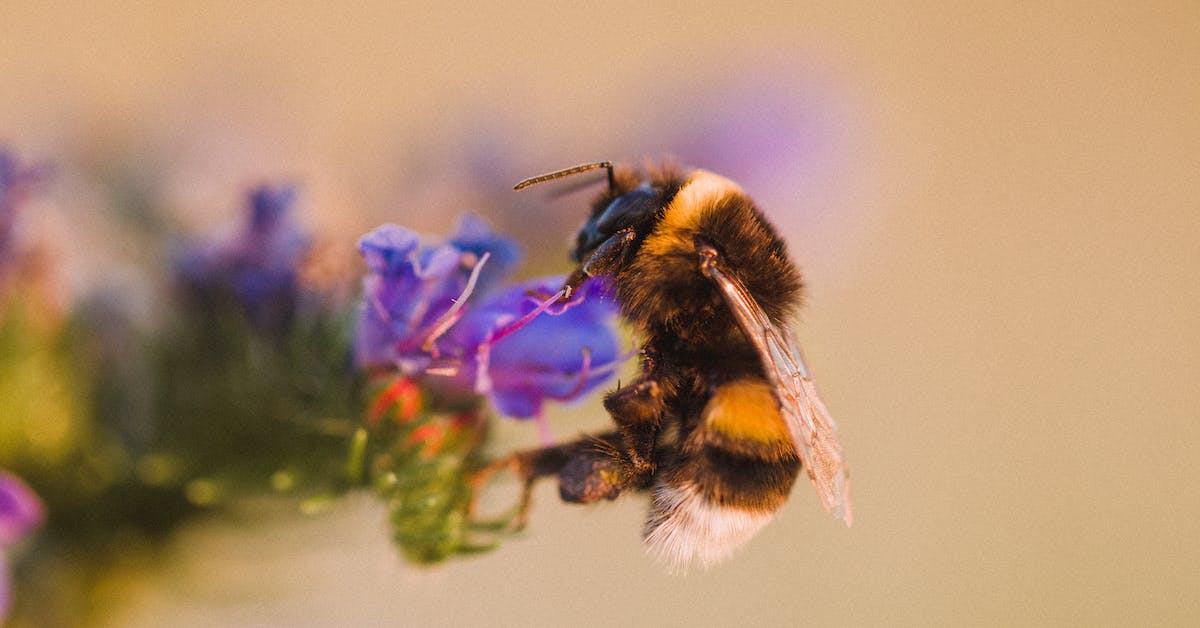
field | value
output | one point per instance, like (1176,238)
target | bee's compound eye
(628,209)
(589,238)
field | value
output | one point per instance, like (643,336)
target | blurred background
(997,208)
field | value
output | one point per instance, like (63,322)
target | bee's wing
(811,427)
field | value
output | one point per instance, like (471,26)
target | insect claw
(481,478)
(522,517)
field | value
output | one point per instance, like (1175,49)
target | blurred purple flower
(20,512)
(435,311)
(16,183)
(411,291)
(259,268)
(760,134)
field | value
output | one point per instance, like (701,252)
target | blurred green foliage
(126,433)
(421,460)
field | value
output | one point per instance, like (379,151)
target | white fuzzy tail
(684,528)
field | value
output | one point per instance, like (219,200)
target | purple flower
(412,291)
(20,512)
(16,183)
(258,269)
(555,355)
(475,236)
(434,312)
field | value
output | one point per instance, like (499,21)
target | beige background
(1003,315)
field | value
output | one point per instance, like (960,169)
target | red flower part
(430,437)
(402,395)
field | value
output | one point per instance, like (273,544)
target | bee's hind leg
(585,469)
(594,472)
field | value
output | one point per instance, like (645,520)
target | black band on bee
(734,479)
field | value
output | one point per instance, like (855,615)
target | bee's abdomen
(735,480)
(734,471)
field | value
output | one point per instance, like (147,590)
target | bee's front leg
(638,412)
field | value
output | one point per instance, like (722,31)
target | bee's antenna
(566,172)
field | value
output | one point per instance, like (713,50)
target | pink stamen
(586,371)
(483,356)
(572,300)
(544,428)
(452,315)
(380,310)
(516,325)
(449,369)
(583,373)
(443,323)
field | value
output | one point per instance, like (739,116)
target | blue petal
(408,289)
(387,248)
(475,236)
(517,403)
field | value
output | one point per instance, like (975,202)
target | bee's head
(634,209)
(629,207)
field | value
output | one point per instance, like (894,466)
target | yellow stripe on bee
(746,410)
(679,222)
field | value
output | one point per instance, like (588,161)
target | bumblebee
(724,414)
